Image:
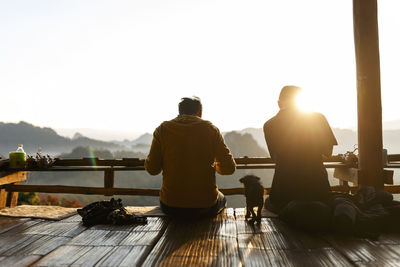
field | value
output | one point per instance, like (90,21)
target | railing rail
(9,179)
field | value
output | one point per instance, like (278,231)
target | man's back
(297,141)
(186,148)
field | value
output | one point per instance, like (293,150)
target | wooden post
(368,93)
(108,180)
(12,198)
(3,198)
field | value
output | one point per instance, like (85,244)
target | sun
(305,102)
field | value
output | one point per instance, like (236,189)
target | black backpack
(108,212)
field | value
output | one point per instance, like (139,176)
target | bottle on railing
(18,158)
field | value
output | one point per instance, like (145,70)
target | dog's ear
(241,180)
(253,178)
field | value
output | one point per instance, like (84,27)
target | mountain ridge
(33,137)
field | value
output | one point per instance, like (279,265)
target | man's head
(190,106)
(287,97)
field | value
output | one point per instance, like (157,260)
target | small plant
(39,161)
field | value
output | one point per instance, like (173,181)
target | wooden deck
(223,241)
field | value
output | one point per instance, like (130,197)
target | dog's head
(250,179)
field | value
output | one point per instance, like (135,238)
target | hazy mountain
(391,125)
(33,137)
(257,134)
(244,145)
(140,144)
(77,136)
(144,139)
(99,134)
(347,139)
(391,141)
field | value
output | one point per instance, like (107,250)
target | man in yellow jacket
(188,150)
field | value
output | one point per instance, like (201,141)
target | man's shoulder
(317,116)
(163,124)
(269,122)
(211,128)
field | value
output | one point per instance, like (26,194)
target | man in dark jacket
(297,141)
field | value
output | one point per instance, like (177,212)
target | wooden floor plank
(30,240)
(140,239)
(254,257)
(362,251)
(98,237)
(7,223)
(10,244)
(63,256)
(89,237)
(19,260)
(227,240)
(250,241)
(28,243)
(124,256)
(73,218)
(43,245)
(153,224)
(111,227)
(66,229)
(278,235)
(207,242)
(264,235)
(273,243)
(93,256)
(101,242)
(22,228)
(314,257)
(135,256)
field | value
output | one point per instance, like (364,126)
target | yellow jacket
(189,150)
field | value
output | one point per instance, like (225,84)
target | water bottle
(18,158)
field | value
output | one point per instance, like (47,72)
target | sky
(122,66)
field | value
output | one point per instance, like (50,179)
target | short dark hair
(190,106)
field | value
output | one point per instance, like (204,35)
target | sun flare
(305,102)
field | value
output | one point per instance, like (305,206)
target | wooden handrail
(109,166)
(148,192)
(134,191)
(134,164)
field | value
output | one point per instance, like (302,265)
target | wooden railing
(10,179)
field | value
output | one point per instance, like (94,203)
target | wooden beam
(81,190)
(368,93)
(145,192)
(129,162)
(9,178)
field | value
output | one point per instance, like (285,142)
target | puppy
(254,192)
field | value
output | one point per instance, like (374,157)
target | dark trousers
(196,212)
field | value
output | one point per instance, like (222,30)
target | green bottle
(18,158)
